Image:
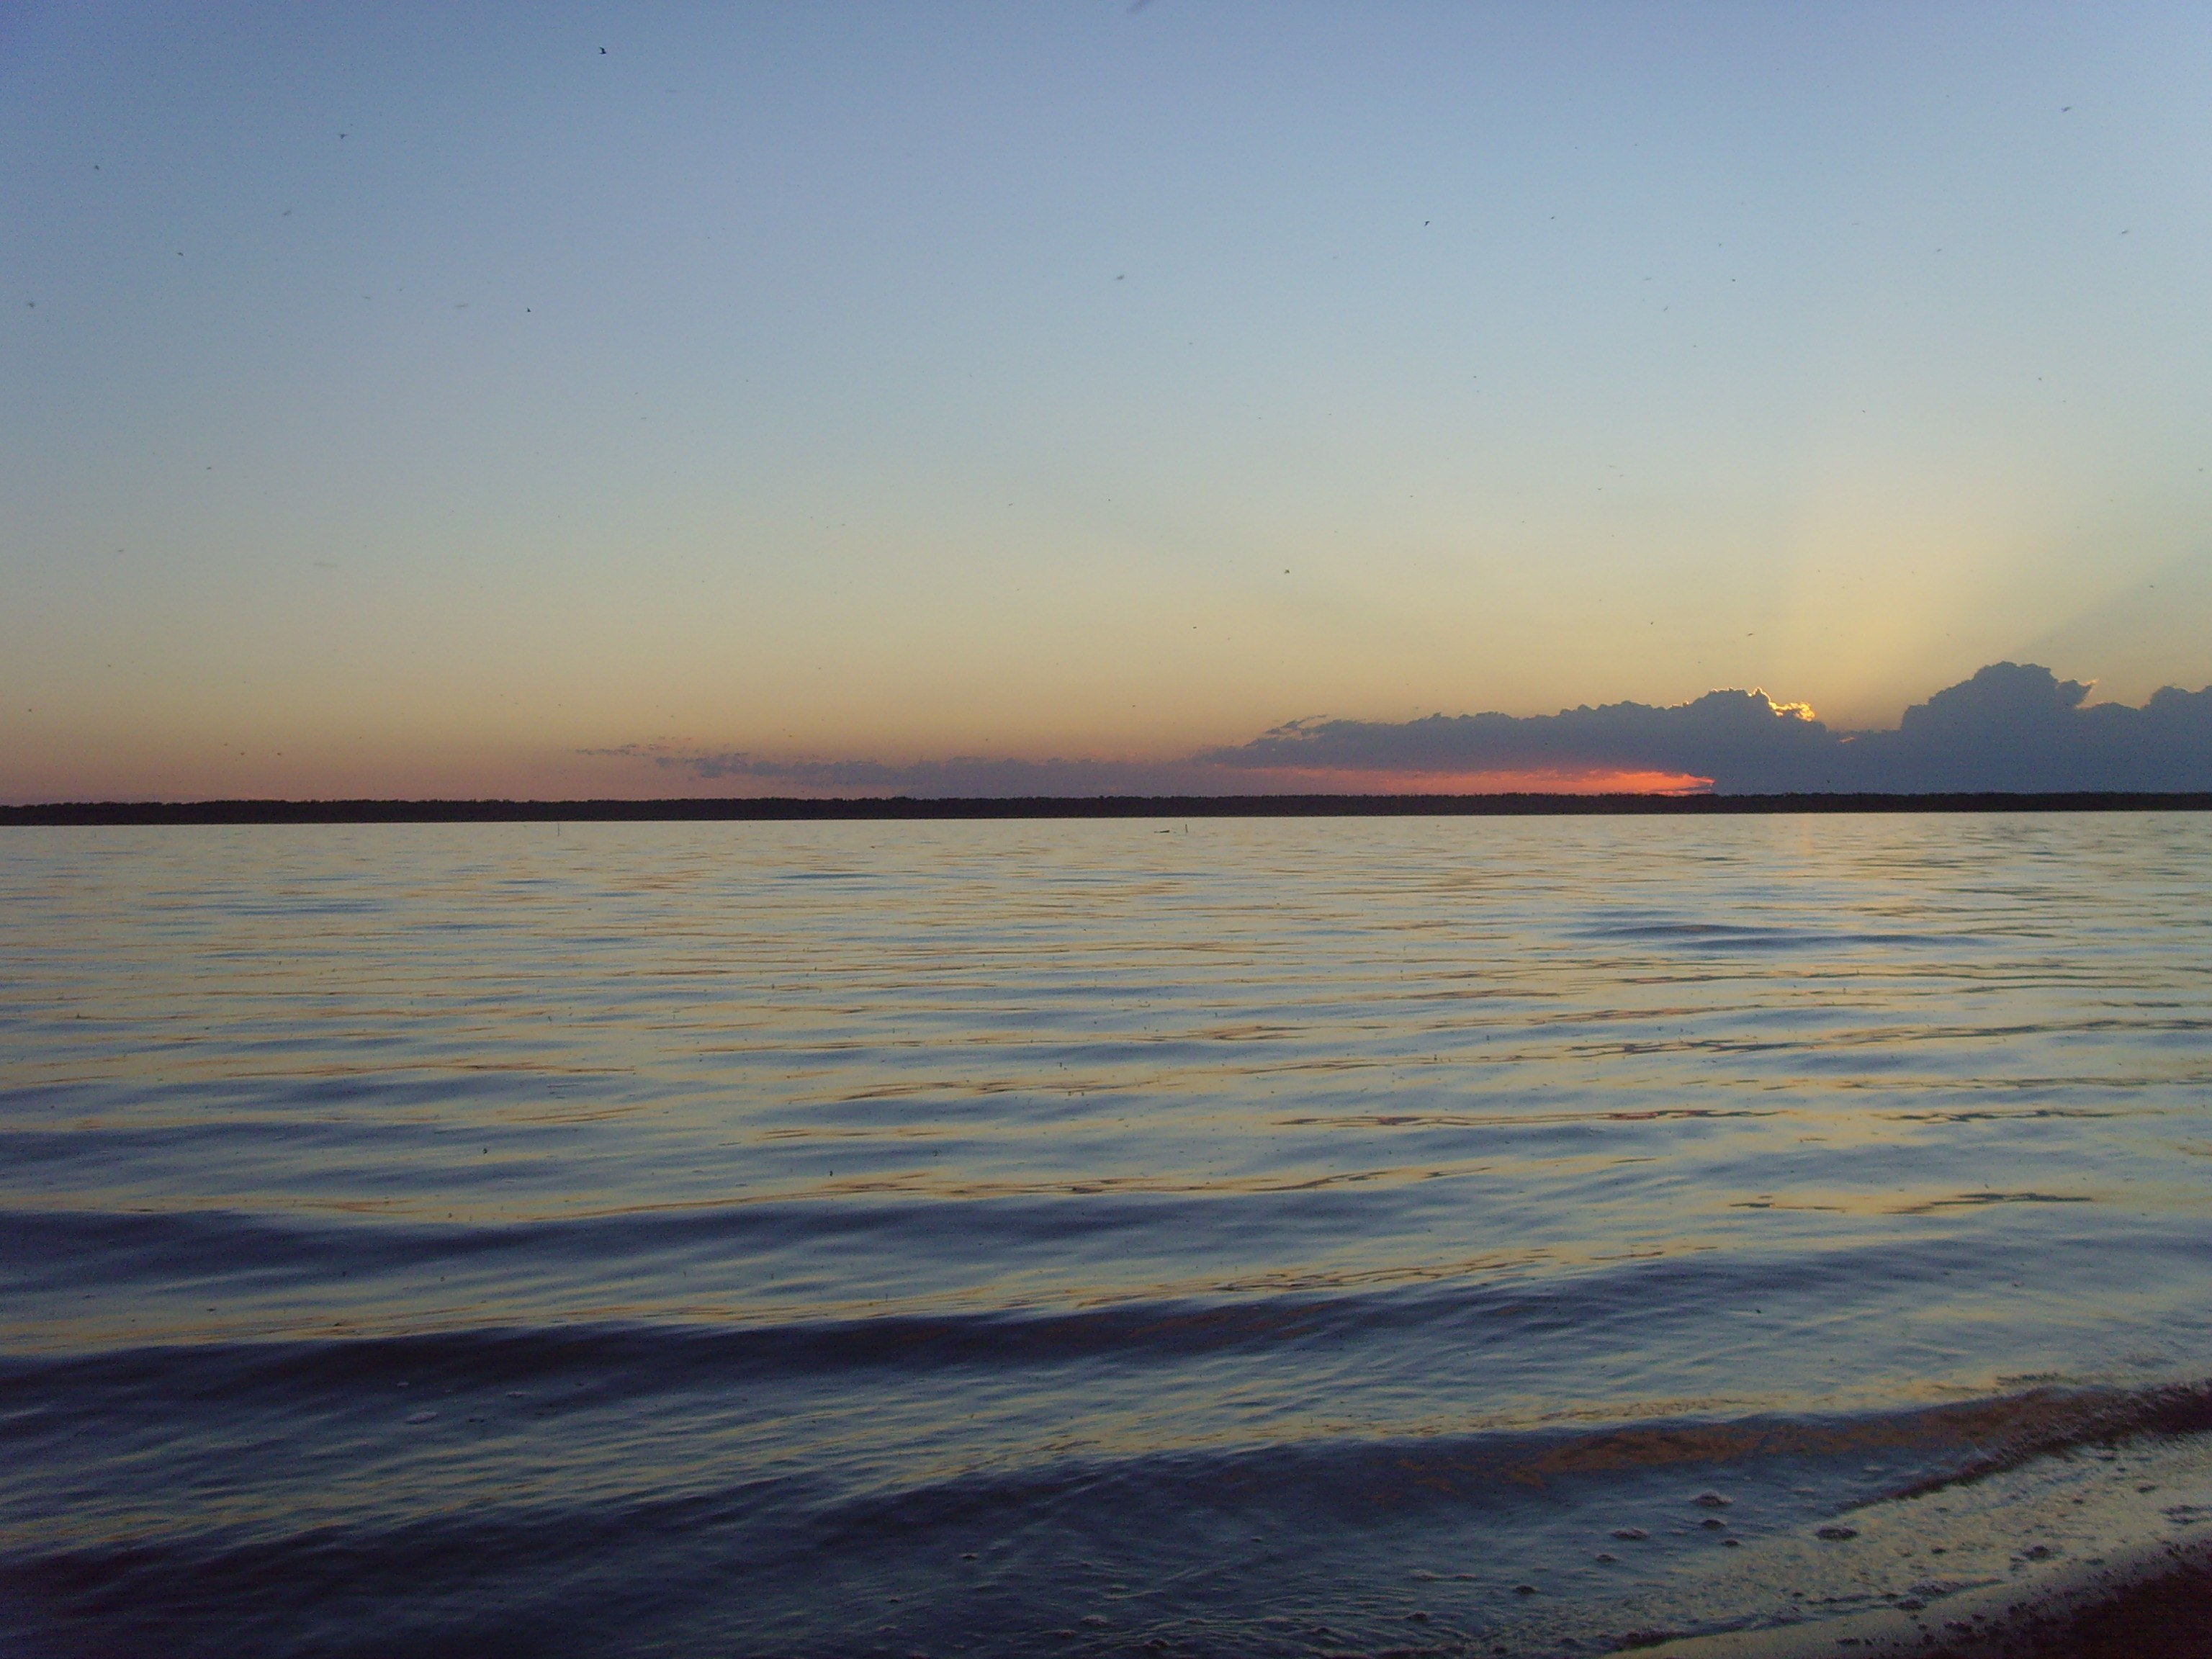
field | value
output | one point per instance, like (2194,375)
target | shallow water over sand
(1254,1237)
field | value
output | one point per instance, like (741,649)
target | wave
(1740,936)
(754,1555)
(1128,1284)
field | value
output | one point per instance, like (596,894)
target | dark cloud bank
(2012,727)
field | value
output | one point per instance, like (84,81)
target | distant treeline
(788,810)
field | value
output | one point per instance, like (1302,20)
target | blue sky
(418,400)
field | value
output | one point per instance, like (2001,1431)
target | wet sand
(2165,1615)
(2153,1618)
(2103,1552)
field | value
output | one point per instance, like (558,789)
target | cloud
(989,778)
(1735,733)
(2018,727)
(967,775)
(2011,728)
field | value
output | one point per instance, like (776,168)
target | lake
(1466,1235)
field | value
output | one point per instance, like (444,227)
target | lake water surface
(1248,1237)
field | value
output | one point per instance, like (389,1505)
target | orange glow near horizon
(1333,782)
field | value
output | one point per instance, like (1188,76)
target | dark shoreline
(2157,1608)
(2166,1617)
(787,809)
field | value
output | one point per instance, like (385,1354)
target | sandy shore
(2150,1609)
(2103,1552)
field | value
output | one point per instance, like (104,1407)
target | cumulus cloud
(2011,728)
(2016,727)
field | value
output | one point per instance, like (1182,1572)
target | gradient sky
(403,399)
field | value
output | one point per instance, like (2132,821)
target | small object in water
(1713,1500)
(1835,1534)
(1712,1523)
(1605,1555)
(1524,1589)
(1633,1534)
(1731,1543)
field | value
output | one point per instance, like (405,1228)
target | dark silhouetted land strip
(784,809)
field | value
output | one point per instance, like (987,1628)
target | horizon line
(800,809)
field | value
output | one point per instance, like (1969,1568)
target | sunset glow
(406,403)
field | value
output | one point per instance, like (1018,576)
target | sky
(629,400)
